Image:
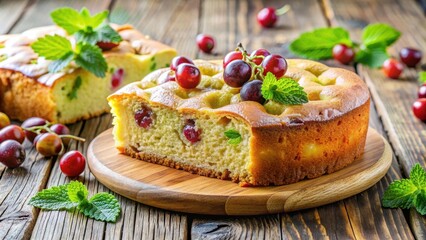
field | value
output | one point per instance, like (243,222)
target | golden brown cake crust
(303,141)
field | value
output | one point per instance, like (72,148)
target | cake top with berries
(264,91)
(79,40)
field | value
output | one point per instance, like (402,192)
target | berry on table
(49,144)
(12,154)
(60,129)
(4,120)
(72,163)
(205,42)
(392,68)
(410,56)
(267,17)
(12,132)
(188,76)
(231,56)
(422,91)
(32,122)
(176,61)
(275,64)
(343,53)
(419,108)
(237,73)
(251,91)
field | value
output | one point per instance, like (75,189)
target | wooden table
(177,22)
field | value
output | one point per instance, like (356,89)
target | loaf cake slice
(27,89)
(276,143)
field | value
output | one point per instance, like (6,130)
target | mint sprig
(319,43)
(234,136)
(60,50)
(102,206)
(408,193)
(283,90)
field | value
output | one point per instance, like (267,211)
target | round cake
(209,130)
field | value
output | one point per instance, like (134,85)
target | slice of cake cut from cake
(209,130)
(28,89)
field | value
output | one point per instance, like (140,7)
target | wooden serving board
(177,190)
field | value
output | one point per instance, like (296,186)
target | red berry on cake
(231,56)
(188,76)
(205,43)
(237,73)
(275,64)
(259,52)
(143,117)
(176,61)
(251,91)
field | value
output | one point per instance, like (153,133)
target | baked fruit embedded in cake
(215,130)
(29,88)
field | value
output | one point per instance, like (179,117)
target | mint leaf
(91,58)
(372,57)
(61,63)
(94,21)
(420,202)
(77,192)
(68,19)
(285,90)
(73,94)
(422,76)
(400,194)
(418,176)
(106,33)
(102,206)
(378,34)
(318,44)
(87,36)
(52,47)
(54,198)
(234,136)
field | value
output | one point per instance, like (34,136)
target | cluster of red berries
(48,139)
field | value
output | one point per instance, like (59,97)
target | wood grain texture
(393,98)
(181,191)
(10,11)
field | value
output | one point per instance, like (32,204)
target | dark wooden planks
(393,98)
(10,11)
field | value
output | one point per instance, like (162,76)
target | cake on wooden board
(28,89)
(278,144)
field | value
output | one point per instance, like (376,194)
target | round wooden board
(177,190)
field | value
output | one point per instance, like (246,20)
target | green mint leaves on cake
(59,49)
(90,32)
(86,28)
(234,136)
(372,52)
(408,193)
(101,206)
(283,90)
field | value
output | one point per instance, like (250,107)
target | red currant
(251,91)
(422,91)
(32,122)
(237,73)
(72,163)
(410,56)
(4,120)
(275,64)
(205,43)
(259,52)
(12,132)
(191,132)
(267,17)
(105,46)
(117,78)
(343,53)
(231,56)
(392,68)
(188,76)
(419,108)
(12,154)
(143,117)
(49,144)
(176,61)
